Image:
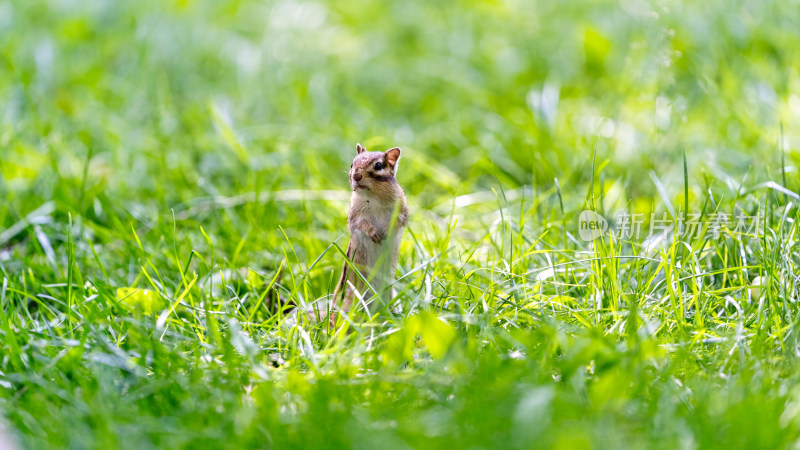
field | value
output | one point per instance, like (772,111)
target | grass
(162,160)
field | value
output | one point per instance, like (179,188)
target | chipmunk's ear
(360,149)
(392,156)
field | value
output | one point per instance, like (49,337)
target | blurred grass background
(145,143)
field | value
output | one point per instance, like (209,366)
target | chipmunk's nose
(357,176)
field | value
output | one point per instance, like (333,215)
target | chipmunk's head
(374,171)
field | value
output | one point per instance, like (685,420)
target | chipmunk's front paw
(376,236)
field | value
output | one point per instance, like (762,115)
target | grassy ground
(161,160)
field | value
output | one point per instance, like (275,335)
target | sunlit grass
(166,165)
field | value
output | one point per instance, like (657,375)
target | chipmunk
(376,200)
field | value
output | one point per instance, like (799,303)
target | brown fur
(374,238)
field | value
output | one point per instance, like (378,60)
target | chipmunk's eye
(378,166)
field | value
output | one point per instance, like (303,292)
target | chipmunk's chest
(378,214)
